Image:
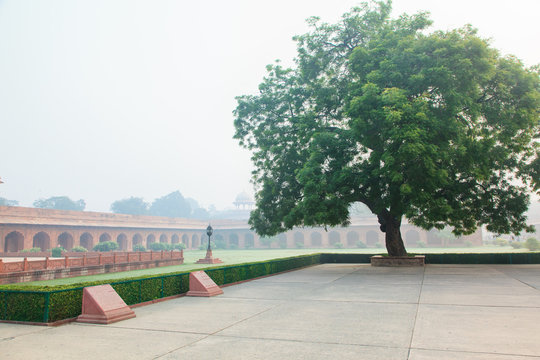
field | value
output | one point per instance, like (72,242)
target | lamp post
(209,259)
(209,232)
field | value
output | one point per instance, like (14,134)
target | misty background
(104,100)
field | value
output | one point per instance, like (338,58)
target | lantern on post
(209,259)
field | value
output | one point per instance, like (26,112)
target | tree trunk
(391,227)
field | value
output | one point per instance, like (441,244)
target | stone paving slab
(82,341)
(232,348)
(331,311)
(332,322)
(481,295)
(196,315)
(417,354)
(494,329)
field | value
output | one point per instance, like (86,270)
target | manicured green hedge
(482,258)
(50,304)
(502,258)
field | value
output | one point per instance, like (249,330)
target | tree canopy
(437,128)
(60,203)
(132,206)
(7,202)
(171,205)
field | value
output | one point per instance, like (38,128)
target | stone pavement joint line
(417,309)
(345,311)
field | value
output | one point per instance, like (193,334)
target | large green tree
(60,203)
(171,205)
(132,206)
(437,128)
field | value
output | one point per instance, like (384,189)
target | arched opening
(150,239)
(334,238)
(316,239)
(104,237)
(195,241)
(412,237)
(175,239)
(433,238)
(42,240)
(185,240)
(249,241)
(137,239)
(122,242)
(282,241)
(65,240)
(372,238)
(233,240)
(219,241)
(299,239)
(352,238)
(163,238)
(87,241)
(14,241)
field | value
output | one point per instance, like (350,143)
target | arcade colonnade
(17,238)
(25,228)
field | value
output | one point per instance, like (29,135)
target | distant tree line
(7,202)
(170,205)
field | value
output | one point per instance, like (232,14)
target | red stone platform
(209,259)
(379,260)
(102,305)
(200,284)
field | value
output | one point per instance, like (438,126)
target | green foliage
(171,205)
(532,244)
(31,250)
(516,245)
(65,304)
(500,242)
(105,246)
(65,300)
(219,243)
(79,249)
(60,203)
(432,127)
(57,251)
(22,306)
(421,244)
(179,246)
(268,240)
(6,202)
(299,245)
(139,248)
(132,206)
(338,245)
(361,245)
(160,246)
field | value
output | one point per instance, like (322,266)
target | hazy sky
(102,100)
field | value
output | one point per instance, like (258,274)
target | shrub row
(50,304)
(497,258)
(54,303)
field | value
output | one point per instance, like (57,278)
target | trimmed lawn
(231,257)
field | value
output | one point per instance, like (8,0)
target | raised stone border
(379,260)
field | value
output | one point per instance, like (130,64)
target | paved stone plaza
(331,311)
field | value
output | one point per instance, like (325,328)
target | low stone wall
(70,266)
(58,273)
(25,254)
